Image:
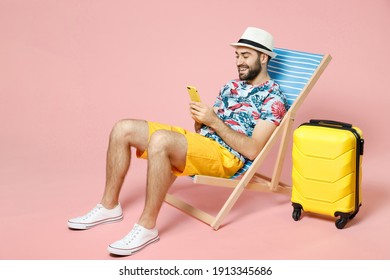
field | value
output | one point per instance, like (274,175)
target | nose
(239,61)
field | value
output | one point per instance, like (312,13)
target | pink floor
(40,197)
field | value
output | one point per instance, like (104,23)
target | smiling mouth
(242,69)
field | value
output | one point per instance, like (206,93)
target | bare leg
(124,135)
(166,149)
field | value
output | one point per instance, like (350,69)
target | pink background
(70,69)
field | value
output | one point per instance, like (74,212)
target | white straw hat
(257,39)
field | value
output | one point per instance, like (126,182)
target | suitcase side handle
(331,123)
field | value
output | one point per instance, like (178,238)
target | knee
(159,142)
(122,129)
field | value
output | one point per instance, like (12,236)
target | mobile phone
(193,92)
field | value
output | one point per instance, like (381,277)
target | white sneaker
(137,239)
(98,215)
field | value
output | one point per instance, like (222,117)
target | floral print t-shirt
(241,105)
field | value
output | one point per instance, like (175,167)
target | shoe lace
(132,234)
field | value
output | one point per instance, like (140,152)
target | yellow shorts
(204,156)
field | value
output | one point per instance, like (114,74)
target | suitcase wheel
(344,218)
(296,214)
(340,223)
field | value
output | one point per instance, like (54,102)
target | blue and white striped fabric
(291,70)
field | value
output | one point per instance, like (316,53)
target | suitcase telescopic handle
(331,123)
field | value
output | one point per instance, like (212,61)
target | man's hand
(197,126)
(203,114)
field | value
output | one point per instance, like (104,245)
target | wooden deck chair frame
(251,178)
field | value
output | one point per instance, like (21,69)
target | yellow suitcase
(327,170)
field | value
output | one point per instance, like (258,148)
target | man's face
(248,63)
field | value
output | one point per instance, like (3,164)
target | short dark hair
(268,57)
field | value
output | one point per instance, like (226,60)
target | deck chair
(296,72)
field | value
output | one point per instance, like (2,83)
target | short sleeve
(274,108)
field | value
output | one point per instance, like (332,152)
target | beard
(252,72)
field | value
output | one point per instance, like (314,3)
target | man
(245,114)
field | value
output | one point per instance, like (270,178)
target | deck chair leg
(287,133)
(232,199)
(227,206)
(244,182)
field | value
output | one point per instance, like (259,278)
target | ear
(264,58)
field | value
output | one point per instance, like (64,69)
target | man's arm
(249,147)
